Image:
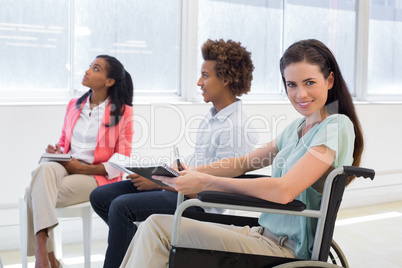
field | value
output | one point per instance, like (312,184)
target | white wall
(27,129)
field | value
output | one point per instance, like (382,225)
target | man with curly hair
(225,74)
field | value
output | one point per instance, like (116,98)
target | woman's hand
(190,182)
(74,166)
(53,149)
(142,183)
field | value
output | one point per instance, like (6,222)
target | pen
(176,155)
(55,148)
(180,196)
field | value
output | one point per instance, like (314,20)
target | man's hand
(142,183)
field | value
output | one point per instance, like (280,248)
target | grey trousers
(52,187)
(151,244)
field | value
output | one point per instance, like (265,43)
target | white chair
(82,210)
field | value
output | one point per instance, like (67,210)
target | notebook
(47,157)
(123,163)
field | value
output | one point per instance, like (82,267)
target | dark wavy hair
(316,53)
(233,62)
(120,93)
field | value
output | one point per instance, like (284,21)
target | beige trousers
(151,244)
(52,187)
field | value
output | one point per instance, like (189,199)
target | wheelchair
(325,253)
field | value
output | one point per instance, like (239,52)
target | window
(143,35)
(245,21)
(332,22)
(34,48)
(385,49)
(47,47)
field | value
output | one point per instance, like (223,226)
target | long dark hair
(315,52)
(120,93)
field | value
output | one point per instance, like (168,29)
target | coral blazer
(110,140)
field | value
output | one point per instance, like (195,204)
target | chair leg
(87,234)
(86,215)
(58,244)
(23,232)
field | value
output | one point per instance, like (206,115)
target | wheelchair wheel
(336,258)
(336,255)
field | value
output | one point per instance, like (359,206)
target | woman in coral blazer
(96,125)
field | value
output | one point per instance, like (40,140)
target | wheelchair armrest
(251,176)
(243,200)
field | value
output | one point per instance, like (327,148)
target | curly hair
(233,63)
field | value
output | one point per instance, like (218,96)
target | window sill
(174,100)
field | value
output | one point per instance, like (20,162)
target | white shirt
(85,133)
(223,135)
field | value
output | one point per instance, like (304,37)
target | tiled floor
(369,236)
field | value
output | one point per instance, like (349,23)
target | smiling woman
(307,89)
(300,162)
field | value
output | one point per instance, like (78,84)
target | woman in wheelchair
(326,137)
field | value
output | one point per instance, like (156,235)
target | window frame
(187,90)
(362,21)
